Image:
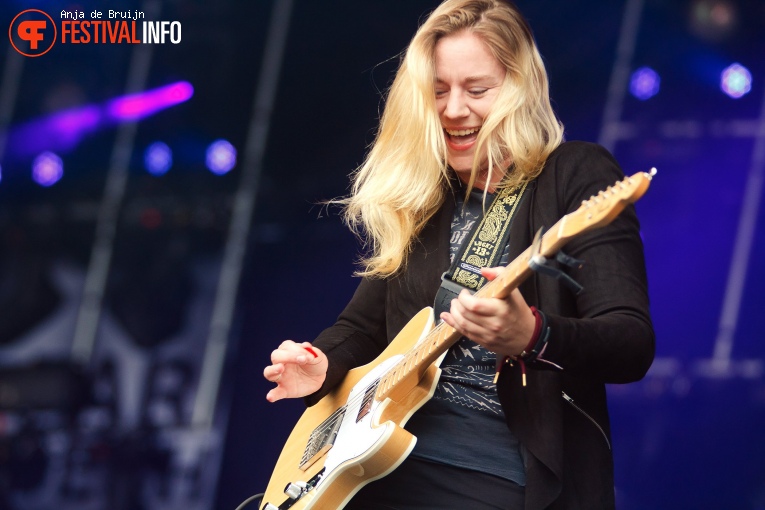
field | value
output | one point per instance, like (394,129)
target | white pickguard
(357,439)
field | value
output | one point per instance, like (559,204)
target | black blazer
(604,335)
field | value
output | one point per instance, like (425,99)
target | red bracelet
(535,335)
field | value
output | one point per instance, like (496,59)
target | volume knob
(293,490)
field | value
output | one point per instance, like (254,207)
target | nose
(456,106)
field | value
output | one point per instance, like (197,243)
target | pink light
(61,131)
(64,130)
(70,126)
(77,119)
(143,104)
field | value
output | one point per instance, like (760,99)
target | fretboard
(443,336)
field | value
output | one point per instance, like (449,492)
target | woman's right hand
(298,369)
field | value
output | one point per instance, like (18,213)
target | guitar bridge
(322,438)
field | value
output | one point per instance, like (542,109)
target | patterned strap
(483,248)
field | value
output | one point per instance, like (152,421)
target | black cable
(250,500)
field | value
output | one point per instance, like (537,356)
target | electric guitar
(355,434)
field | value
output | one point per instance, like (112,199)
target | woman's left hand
(503,326)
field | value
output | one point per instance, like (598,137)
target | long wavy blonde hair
(405,176)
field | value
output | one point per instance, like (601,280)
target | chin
(461,165)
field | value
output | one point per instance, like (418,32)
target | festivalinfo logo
(34,32)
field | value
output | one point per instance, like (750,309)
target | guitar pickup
(366,403)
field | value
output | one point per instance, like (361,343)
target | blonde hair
(405,177)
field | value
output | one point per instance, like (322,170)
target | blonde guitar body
(355,434)
(363,449)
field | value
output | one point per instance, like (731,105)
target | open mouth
(461,139)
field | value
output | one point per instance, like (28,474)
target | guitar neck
(363,439)
(442,337)
(595,212)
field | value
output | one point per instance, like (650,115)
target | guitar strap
(483,248)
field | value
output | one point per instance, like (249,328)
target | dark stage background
(139,309)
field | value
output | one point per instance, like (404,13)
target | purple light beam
(64,130)
(143,104)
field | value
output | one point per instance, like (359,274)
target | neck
(481,179)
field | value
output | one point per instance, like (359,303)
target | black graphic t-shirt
(463,424)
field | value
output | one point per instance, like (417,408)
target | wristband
(538,339)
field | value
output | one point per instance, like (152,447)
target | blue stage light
(645,83)
(221,157)
(736,81)
(47,169)
(158,158)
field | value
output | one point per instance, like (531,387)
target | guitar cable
(250,500)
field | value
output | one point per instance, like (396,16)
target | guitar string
(487,289)
(433,339)
(436,339)
(331,421)
(502,281)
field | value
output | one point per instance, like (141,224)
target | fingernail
(301,359)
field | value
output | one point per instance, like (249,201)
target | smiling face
(468,81)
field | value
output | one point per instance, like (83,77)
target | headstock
(601,209)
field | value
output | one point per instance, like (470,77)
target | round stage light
(736,81)
(645,83)
(221,157)
(158,158)
(47,169)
